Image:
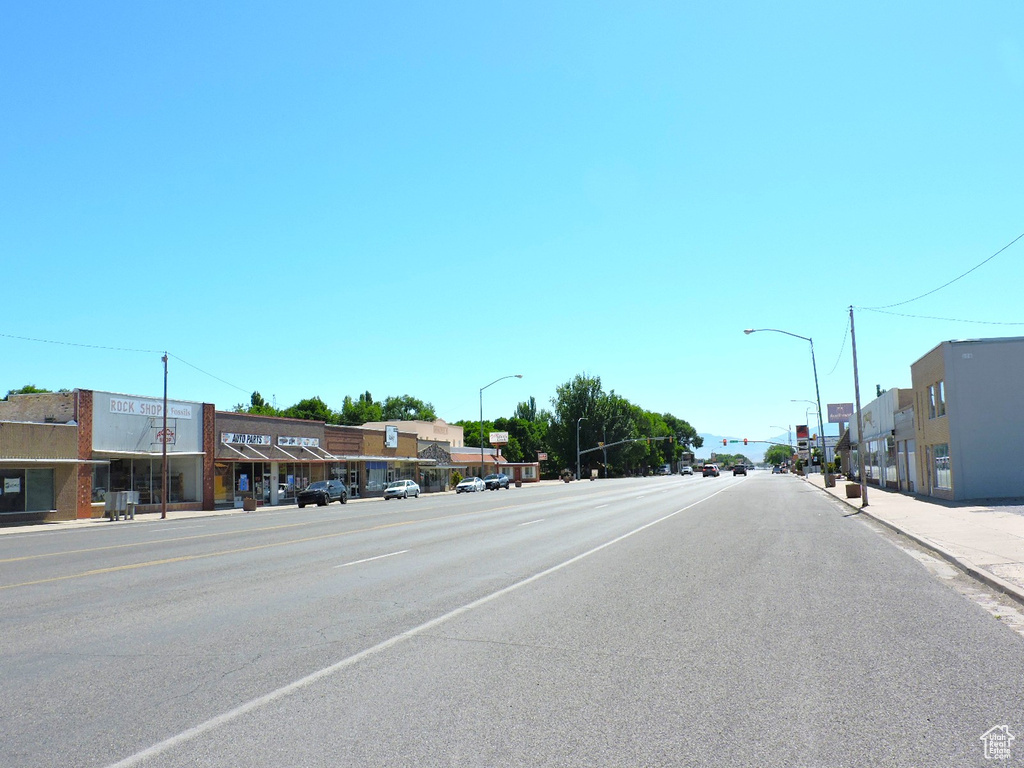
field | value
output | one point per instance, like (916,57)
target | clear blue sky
(322,198)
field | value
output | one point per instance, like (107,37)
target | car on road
(470,485)
(739,469)
(401,489)
(711,470)
(322,493)
(686,469)
(494,482)
(665,469)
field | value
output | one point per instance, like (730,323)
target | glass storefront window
(100,481)
(26,490)
(943,472)
(146,477)
(890,460)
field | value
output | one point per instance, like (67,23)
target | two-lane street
(649,621)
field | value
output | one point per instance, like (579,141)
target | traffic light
(724,441)
(744,441)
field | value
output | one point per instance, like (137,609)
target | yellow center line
(186,558)
(193,537)
(148,543)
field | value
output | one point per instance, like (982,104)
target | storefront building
(118,445)
(878,445)
(968,403)
(267,460)
(38,472)
(127,438)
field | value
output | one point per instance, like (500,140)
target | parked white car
(470,484)
(401,489)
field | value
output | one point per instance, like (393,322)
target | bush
(456,478)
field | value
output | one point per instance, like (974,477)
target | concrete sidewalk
(985,541)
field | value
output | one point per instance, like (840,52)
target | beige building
(968,406)
(437,431)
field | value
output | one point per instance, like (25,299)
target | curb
(974,571)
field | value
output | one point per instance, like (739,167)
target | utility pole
(860,419)
(163,444)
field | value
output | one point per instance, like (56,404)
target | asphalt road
(650,622)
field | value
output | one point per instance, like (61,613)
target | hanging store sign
(305,442)
(136,407)
(237,438)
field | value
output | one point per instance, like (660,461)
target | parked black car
(494,482)
(322,493)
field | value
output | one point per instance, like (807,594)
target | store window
(890,461)
(942,471)
(26,490)
(376,475)
(100,481)
(146,477)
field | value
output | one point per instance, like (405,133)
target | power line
(926,317)
(222,381)
(85,346)
(946,285)
(121,349)
(841,349)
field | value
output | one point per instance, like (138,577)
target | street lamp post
(817,392)
(789,434)
(581,418)
(806,412)
(510,376)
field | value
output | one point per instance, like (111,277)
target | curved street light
(581,418)
(510,376)
(789,434)
(817,392)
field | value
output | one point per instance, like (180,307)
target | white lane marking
(370,559)
(269,698)
(601,507)
(532,522)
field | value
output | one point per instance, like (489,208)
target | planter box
(852,490)
(249,505)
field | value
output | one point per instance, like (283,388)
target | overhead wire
(121,349)
(947,319)
(946,285)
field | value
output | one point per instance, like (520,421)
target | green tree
(313,409)
(361,411)
(581,397)
(778,454)
(28,389)
(257,405)
(407,408)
